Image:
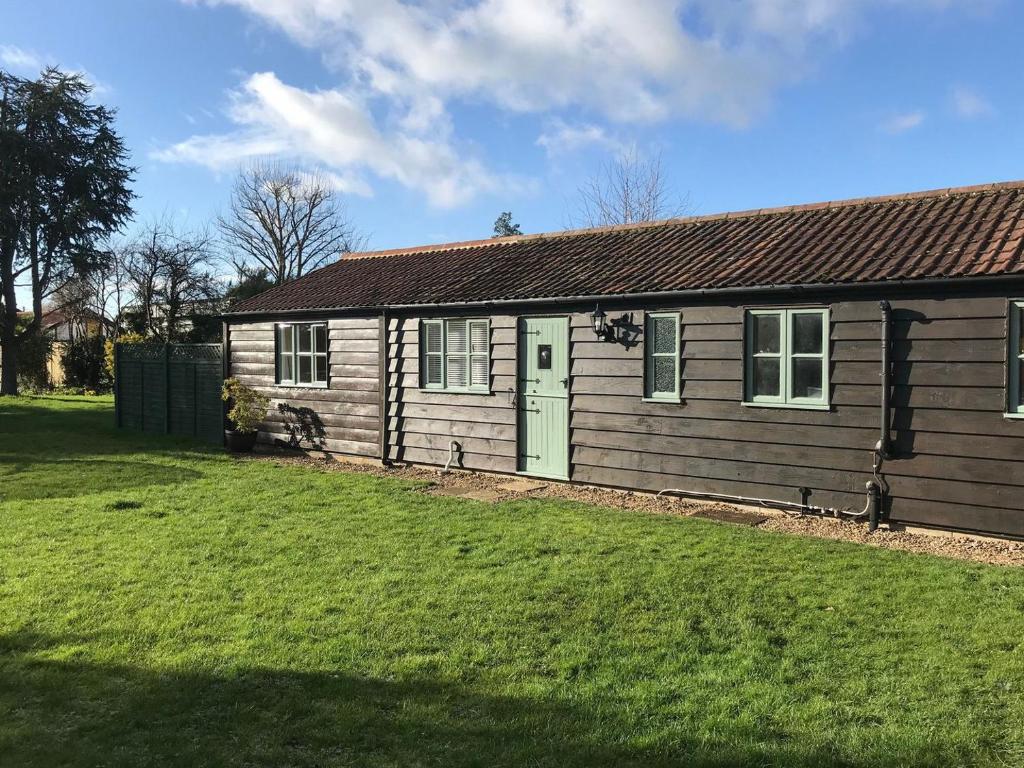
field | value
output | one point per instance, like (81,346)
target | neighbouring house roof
(55,317)
(949,233)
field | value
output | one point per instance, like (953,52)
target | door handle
(565,382)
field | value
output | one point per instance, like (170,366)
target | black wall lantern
(598,320)
(620,330)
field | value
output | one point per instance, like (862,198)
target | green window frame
(1015,361)
(300,354)
(455,354)
(787,357)
(661,356)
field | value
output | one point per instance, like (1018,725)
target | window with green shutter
(1015,379)
(455,354)
(661,356)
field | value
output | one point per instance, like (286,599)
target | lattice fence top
(197,353)
(142,352)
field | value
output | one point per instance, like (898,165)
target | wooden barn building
(863,356)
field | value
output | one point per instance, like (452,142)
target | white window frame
(295,330)
(1014,360)
(445,354)
(649,355)
(786,356)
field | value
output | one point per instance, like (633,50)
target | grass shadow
(67,712)
(22,479)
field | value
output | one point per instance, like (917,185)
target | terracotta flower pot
(239,442)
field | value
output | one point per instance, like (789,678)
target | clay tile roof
(948,233)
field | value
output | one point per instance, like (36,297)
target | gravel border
(957,546)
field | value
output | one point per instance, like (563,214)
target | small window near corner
(661,356)
(1015,360)
(301,352)
(787,357)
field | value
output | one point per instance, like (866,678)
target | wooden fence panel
(170,389)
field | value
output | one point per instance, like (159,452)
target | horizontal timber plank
(719,469)
(655,481)
(353,447)
(456,429)
(478,445)
(503,415)
(477,461)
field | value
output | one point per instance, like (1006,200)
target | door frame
(520,322)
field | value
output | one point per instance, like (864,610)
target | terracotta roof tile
(972,231)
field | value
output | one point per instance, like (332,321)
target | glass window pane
(664,374)
(663,331)
(432,337)
(766,376)
(320,338)
(1020,330)
(479,371)
(766,333)
(457,373)
(457,336)
(305,369)
(305,338)
(284,341)
(284,368)
(321,369)
(433,371)
(807,378)
(1020,383)
(807,333)
(478,334)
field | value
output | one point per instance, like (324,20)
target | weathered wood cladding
(959,462)
(344,417)
(421,424)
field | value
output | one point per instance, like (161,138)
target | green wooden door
(544,396)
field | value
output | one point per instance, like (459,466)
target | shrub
(84,364)
(33,355)
(108,350)
(248,407)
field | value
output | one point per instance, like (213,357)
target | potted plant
(248,409)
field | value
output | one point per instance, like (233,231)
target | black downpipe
(883,449)
(884,444)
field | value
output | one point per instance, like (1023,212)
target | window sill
(301,386)
(1018,415)
(667,400)
(788,406)
(457,391)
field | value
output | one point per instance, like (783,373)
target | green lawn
(164,604)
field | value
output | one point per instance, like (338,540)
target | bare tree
(168,272)
(627,190)
(100,294)
(286,222)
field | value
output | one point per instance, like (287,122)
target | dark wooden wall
(959,464)
(421,424)
(347,412)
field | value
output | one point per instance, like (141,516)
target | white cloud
(20,61)
(560,137)
(903,122)
(29,64)
(969,104)
(599,60)
(336,129)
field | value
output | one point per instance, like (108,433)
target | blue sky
(433,118)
